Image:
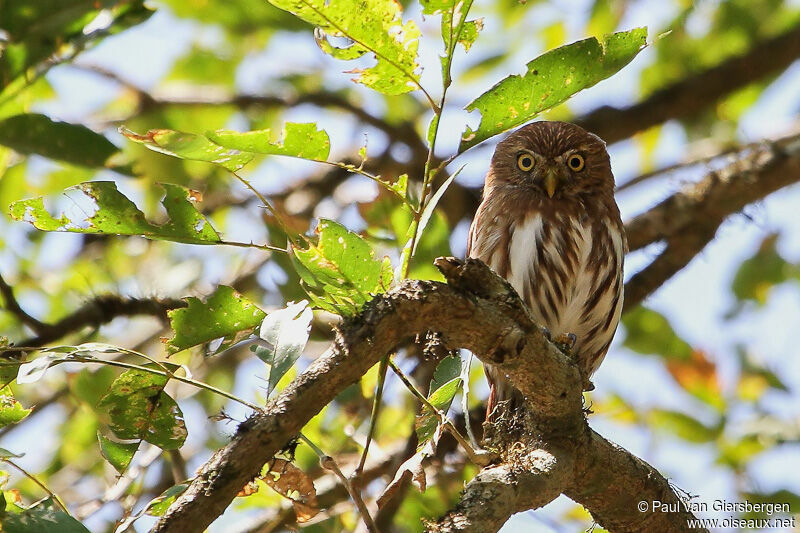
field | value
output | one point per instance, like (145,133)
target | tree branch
(98,311)
(476,310)
(695,93)
(689,219)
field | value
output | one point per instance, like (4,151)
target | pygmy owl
(548,223)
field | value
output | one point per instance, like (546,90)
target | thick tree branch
(689,219)
(476,310)
(695,93)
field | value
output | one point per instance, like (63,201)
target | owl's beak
(550,181)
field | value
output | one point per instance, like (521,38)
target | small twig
(373,419)
(39,483)
(13,307)
(328,463)
(478,456)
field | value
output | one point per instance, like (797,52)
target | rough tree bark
(479,311)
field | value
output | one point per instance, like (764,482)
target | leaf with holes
(136,407)
(295,485)
(340,272)
(371,26)
(549,80)
(190,146)
(225,314)
(117,215)
(11,411)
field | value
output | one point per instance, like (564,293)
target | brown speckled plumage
(555,234)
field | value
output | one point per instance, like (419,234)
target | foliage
(253,152)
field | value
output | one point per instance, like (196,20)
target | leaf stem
(479,457)
(168,375)
(39,483)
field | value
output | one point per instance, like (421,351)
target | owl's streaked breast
(568,272)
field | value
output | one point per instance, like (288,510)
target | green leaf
(340,272)
(117,215)
(138,408)
(190,146)
(73,143)
(286,331)
(758,274)
(158,506)
(549,80)
(372,26)
(302,140)
(445,385)
(119,454)
(5,454)
(684,426)
(43,517)
(11,411)
(226,314)
(649,332)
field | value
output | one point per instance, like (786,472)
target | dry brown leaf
(413,468)
(294,484)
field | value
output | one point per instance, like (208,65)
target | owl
(548,224)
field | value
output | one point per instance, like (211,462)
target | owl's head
(554,159)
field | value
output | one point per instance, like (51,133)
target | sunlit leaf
(225,314)
(117,215)
(295,485)
(73,143)
(137,407)
(340,272)
(119,454)
(158,506)
(445,385)
(286,332)
(374,26)
(549,80)
(302,140)
(190,146)
(11,411)
(44,517)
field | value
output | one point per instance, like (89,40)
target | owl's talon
(567,340)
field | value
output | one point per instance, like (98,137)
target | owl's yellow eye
(576,162)
(525,162)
